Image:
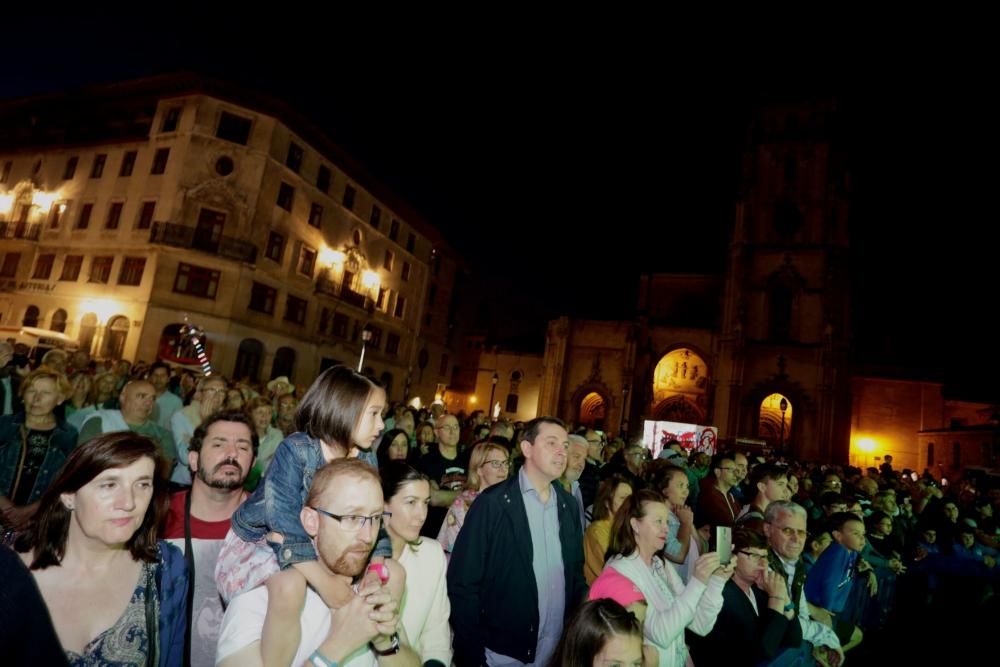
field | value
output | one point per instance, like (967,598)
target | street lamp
(782,406)
(493,391)
(366,335)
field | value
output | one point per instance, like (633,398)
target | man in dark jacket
(516,573)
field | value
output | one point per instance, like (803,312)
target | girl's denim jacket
(276,503)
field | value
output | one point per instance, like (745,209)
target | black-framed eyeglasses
(355,522)
(760,558)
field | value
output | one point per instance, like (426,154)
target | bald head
(137,400)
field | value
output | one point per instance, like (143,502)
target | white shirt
(425,607)
(244,621)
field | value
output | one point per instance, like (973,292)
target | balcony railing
(343,292)
(195,238)
(20,230)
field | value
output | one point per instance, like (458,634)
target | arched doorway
(248,359)
(30,317)
(88,329)
(58,322)
(775,421)
(114,340)
(284,363)
(680,387)
(593,410)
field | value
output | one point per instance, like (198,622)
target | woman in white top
(638,535)
(424,609)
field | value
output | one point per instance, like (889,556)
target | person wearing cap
(612,585)
(279,386)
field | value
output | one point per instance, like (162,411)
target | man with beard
(342,515)
(221,454)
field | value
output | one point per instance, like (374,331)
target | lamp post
(493,391)
(366,335)
(782,406)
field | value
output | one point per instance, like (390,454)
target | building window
(392,344)
(55,214)
(233,128)
(196,281)
(394,230)
(160,161)
(930,454)
(30,317)
(71,268)
(443,370)
(114,215)
(58,322)
(97,169)
(100,269)
(132,270)
(339,328)
(411,242)
(262,298)
(400,306)
(146,213)
(376,217)
(387,262)
(9,267)
(83,221)
(286,195)
(70,171)
(406,271)
(382,295)
(275,247)
(170,119)
(307,261)
(324,320)
(357,237)
(294,158)
(295,310)
(349,197)
(5,173)
(128,163)
(323,179)
(316,215)
(376,340)
(43,267)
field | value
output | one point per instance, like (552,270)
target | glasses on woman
(759,558)
(497,464)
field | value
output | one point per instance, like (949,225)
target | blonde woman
(489,464)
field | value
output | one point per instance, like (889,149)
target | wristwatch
(393,647)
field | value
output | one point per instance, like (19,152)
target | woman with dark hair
(489,464)
(115,594)
(34,444)
(602,632)
(394,446)
(340,416)
(610,495)
(757,621)
(638,535)
(425,437)
(425,608)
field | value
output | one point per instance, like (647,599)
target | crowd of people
(151,516)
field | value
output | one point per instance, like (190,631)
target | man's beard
(352,562)
(226,483)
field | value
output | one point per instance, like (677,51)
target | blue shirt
(547,563)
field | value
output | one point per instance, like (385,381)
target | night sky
(562,167)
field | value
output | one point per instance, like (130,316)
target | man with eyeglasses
(342,515)
(576,462)
(785,529)
(591,477)
(716,504)
(446,469)
(516,572)
(757,622)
